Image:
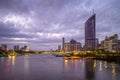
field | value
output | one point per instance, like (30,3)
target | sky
(41,24)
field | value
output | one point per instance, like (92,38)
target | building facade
(118,45)
(72,46)
(25,49)
(63,43)
(111,44)
(90,33)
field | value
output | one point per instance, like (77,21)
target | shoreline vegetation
(14,53)
(93,54)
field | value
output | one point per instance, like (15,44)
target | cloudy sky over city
(41,24)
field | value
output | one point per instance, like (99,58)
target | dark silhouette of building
(59,47)
(4,47)
(90,33)
(16,48)
(89,69)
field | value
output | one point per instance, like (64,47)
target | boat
(72,57)
(58,55)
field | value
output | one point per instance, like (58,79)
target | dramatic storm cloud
(41,24)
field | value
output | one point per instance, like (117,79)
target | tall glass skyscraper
(90,33)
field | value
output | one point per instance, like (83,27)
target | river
(49,67)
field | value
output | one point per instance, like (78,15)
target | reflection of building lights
(13,60)
(80,60)
(72,61)
(66,61)
(105,64)
(100,69)
(26,65)
(2,59)
(9,57)
(7,67)
(94,64)
(113,70)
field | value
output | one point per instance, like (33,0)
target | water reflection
(26,64)
(100,66)
(94,64)
(105,64)
(2,59)
(71,65)
(113,71)
(89,69)
(7,68)
(35,67)
(12,58)
(66,63)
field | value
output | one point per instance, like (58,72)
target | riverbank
(4,55)
(105,56)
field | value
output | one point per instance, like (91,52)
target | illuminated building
(25,49)
(72,46)
(111,44)
(90,33)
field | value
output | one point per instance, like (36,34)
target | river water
(49,67)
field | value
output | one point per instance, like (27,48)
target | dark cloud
(13,6)
(41,24)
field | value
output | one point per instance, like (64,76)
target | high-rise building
(63,42)
(90,33)
(16,48)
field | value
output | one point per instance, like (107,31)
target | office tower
(63,42)
(90,33)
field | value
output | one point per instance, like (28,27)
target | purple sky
(41,24)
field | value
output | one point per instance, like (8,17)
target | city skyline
(41,24)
